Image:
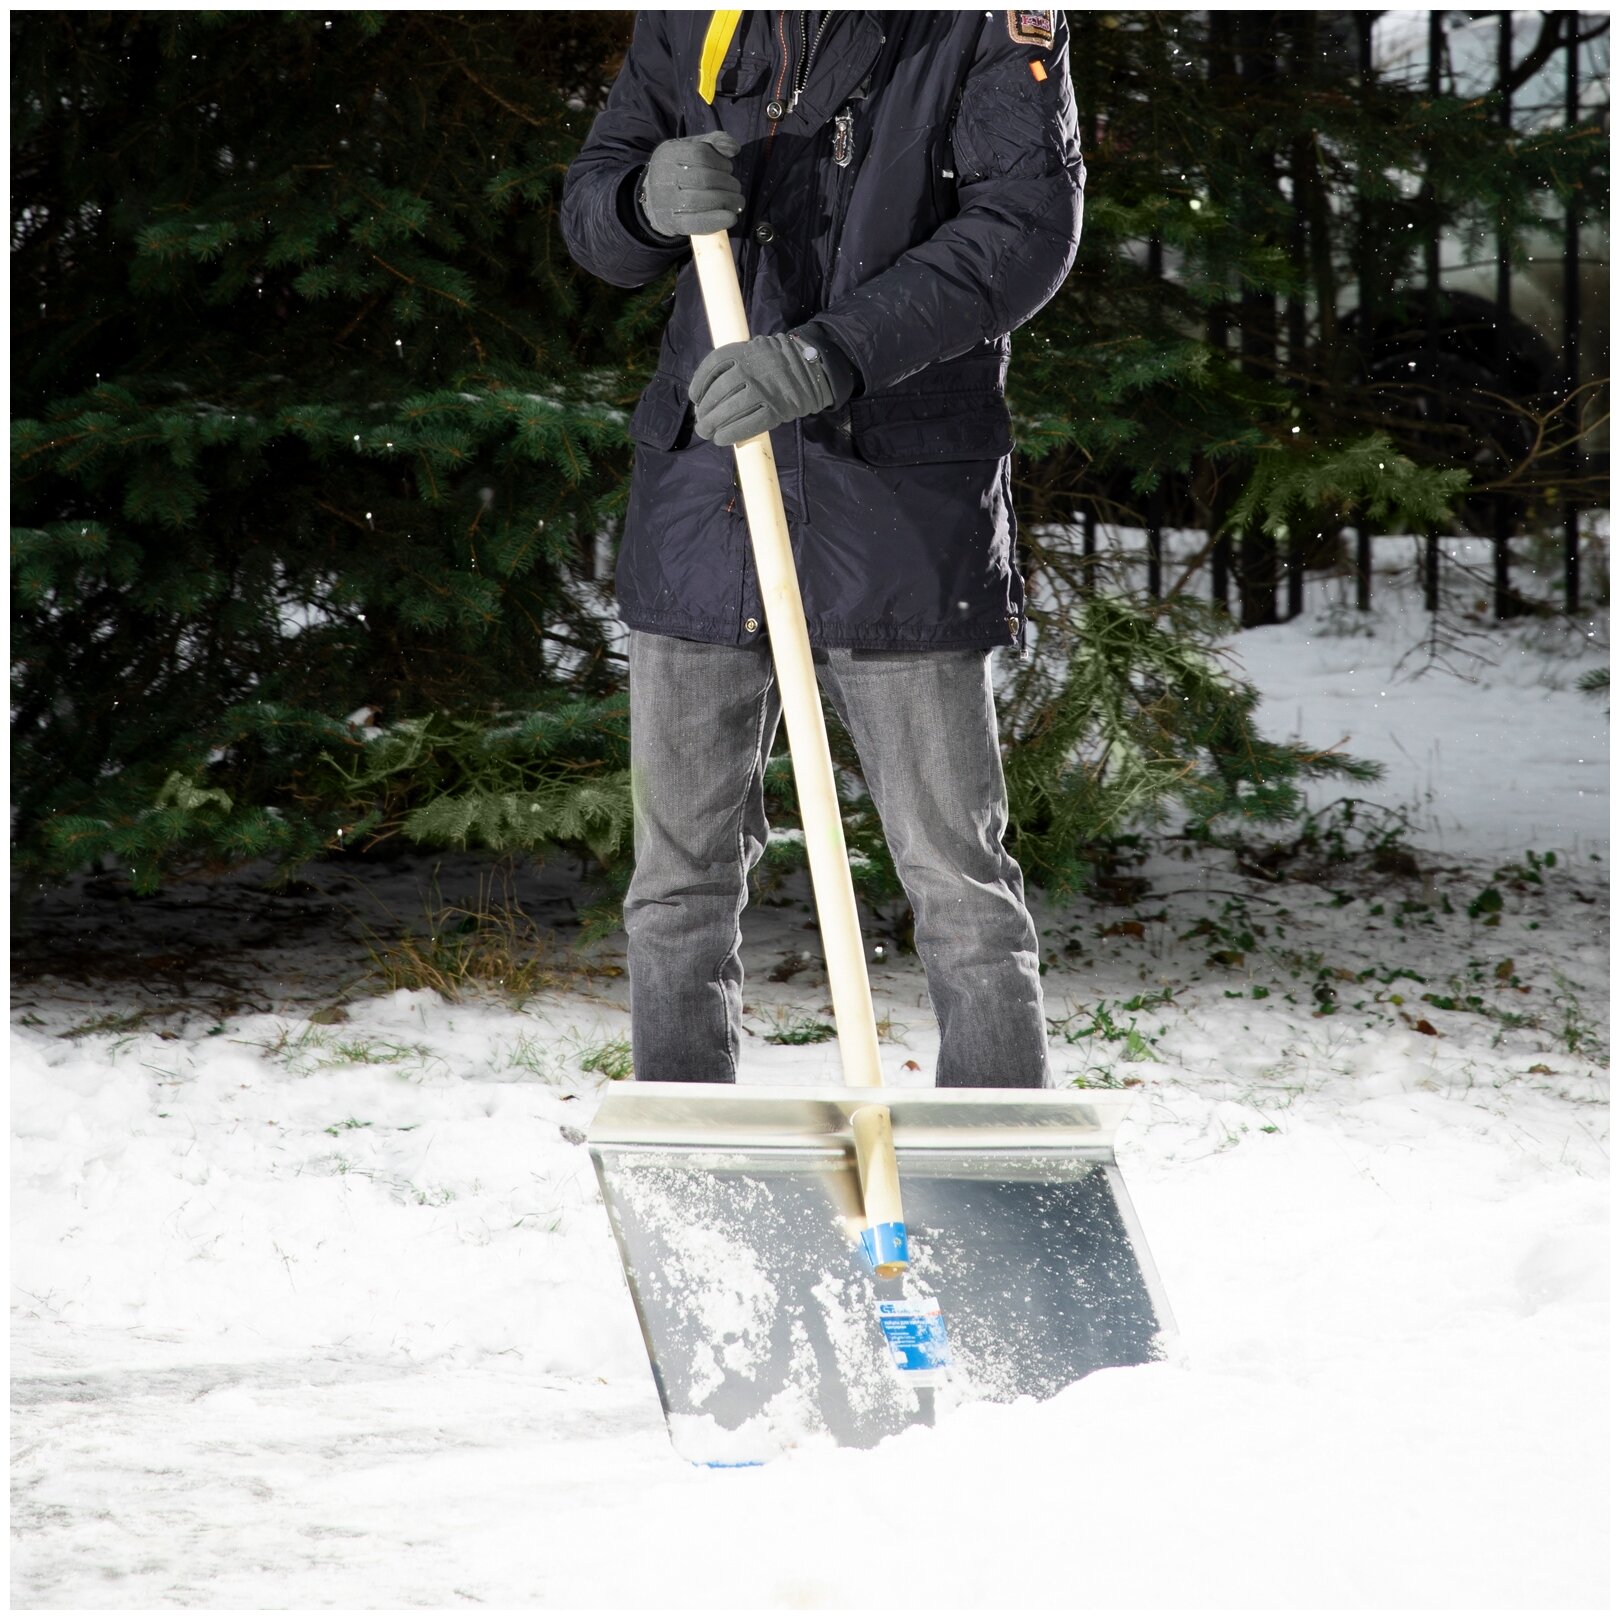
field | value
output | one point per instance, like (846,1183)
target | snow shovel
(839,1262)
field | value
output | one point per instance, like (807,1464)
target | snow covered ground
(323,1312)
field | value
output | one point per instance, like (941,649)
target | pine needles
(1125,712)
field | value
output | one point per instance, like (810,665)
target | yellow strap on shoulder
(722,25)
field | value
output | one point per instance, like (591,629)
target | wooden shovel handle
(801,699)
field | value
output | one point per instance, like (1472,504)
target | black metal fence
(1252,563)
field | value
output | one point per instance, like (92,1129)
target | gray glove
(741,389)
(688,188)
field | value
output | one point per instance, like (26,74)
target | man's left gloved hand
(741,389)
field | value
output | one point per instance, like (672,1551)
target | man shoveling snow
(903,193)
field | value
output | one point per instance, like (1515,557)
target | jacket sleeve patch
(1030,28)
(1012,124)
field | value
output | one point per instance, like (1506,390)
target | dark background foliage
(314,412)
(319,437)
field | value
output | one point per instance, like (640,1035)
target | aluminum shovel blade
(737,1212)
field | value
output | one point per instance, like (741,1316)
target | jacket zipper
(807,55)
(843,141)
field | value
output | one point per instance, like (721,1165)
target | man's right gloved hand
(688,188)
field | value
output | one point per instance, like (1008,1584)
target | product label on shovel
(914,1330)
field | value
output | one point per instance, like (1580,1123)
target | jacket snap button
(750,625)
(763,231)
(774,110)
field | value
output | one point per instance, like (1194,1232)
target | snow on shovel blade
(738,1214)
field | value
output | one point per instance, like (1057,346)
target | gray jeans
(702,721)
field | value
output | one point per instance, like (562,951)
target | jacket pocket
(663,416)
(896,430)
(742,76)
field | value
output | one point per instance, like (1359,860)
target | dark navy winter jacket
(954,217)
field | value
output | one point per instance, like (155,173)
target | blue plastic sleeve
(885,1244)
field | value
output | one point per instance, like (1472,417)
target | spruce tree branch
(405,276)
(362,314)
(53,444)
(460,303)
(1324,753)
(493,94)
(347,517)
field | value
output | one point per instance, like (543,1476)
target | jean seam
(754,769)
